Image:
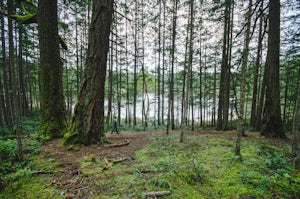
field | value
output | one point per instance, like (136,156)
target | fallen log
(157,193)
(119,144)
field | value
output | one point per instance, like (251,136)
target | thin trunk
(172,63)
(159,68)
(190,61)
(163,67)
(23,99)
(200,83)
(135,63)
(110,85)
(243,83)
(286,88)
(3,76)
(256,70)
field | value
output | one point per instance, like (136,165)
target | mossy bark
(272,123)
(88,121)
(296,132)
(53,122)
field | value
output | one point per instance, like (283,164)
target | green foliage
(204,166)
(7,151)
(30,126)
(10,168)
(272,173)
(4,131)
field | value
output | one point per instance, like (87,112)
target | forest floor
(134,164)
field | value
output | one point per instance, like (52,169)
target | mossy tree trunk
(296,131)
(88,121)
(53,122)
(271,123)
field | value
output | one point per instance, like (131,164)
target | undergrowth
(204,166)
(11,168)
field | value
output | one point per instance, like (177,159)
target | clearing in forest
(142,164)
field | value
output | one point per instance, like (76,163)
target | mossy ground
(203,166)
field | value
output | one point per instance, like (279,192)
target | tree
(88,121)
(173,48)
(271,123)
(245,55)
(5,110)
(223,105)
(254,114)
(296,131)
(53,121)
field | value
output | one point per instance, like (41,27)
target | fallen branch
(119,144)
(157,193)
(41,172)
(144,171)
(63,183)
(120,160)
(108,164)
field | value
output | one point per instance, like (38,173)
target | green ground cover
(204,166)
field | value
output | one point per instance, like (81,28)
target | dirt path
(66,165)
(137,140)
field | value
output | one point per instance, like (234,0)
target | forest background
(170,65)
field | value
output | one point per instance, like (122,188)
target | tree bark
(296,132)
(174,25)
(223,105)
(53,121)
(272,123)
(88,121)
(3,87)
(243,83)
(256,69)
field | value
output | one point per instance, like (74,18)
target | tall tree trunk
(88,121)
(256,69)
(22,90)
(135,62)
(5,113)
(159,68)
(296,131)
(223,105)
(163,67)
(184,100)
(110,84)
(53,121)
(175,7)
(243,83)
(200,83)
(190,62)
(272,123)
(260,106)
(10,70)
